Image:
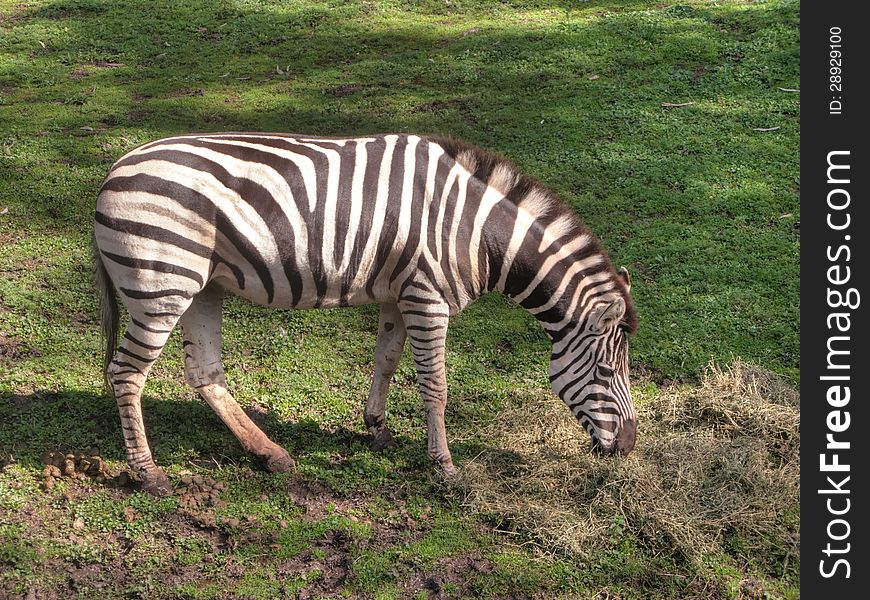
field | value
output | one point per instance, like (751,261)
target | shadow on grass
(211,66)
(77,421)
(187,433)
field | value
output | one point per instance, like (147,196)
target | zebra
(421,225)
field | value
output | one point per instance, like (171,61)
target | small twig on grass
(765,128)
(676,105)
(788,90)
(506,532)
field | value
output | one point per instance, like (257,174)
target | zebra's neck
(531,246)
(547,264)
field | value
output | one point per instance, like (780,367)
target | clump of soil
(194,491)
(312,496)
(78,466)
(197,491)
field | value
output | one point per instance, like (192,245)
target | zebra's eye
(605,370)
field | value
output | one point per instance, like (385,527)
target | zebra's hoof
(447,470)
(156,483)
(280,463)
(382,438)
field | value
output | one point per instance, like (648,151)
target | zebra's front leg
(205,373)
(391,342)
(426,328)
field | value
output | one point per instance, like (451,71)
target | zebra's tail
(108,309)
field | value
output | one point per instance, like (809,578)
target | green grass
(699,205)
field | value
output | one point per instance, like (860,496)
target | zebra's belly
(334,295)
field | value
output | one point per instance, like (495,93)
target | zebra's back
(292,221)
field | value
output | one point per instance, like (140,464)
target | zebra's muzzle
(622,445)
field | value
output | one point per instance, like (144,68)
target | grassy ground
(667,126)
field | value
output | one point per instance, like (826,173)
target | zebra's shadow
(186,433)
(179,430)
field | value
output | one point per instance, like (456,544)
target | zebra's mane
(530,194)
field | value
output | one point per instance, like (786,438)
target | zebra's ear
(623,272)
(605,316)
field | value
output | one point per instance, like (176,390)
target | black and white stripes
(422,226)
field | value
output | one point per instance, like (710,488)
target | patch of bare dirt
(313,497)
(14,348)
(329,557)
(106,64)
(187,93)
(439,105)
(109,563)
(454,572)
(23,268)
(343,90)
(8,238)
(201,524)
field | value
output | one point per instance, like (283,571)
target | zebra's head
(589,370)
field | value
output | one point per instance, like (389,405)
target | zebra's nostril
(600,450)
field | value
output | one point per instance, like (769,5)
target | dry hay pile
(721,458)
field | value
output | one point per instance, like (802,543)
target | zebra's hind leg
(391,342)
(143,341)
(202,367)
